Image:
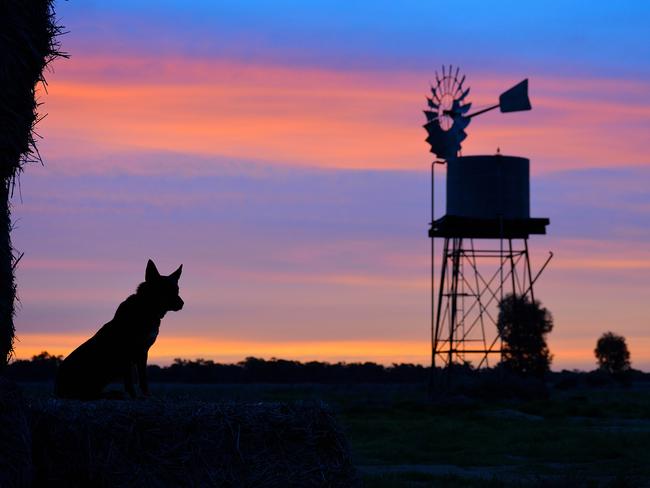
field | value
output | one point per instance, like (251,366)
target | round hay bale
(15,441)
(112,443)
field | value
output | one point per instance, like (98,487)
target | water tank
(488,187)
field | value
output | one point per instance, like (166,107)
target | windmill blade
(463,109)
(443,144)
(460,85)
(457,109)
(459,136)
(516,98)
(431,116)
(462,122)
(462,97)
(432,104)
(442,80)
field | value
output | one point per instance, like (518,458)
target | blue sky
(590,38)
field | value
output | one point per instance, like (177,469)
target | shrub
(523,326)
(612,353)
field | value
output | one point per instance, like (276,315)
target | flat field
(580,437)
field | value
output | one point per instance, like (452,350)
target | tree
(523,326)
(612,353)
(28,43)
(41,367)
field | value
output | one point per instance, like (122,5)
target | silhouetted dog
(122,344)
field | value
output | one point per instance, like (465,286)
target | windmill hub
(445,112)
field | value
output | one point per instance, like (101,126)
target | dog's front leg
(128,380)
(142,374)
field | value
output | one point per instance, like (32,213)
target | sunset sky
(276,149)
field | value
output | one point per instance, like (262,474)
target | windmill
(485,229)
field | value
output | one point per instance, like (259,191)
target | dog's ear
(152,272)
(177,274)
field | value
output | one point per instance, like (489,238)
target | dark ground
(575,437)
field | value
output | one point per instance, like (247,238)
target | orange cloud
(323,118)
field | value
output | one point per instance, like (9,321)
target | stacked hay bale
(122,443)
(15,438)
(28,44)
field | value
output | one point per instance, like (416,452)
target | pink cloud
(338,119)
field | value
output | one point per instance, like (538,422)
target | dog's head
(164,288)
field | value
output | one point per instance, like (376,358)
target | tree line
(43,366)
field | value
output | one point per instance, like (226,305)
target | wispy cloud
(321,118)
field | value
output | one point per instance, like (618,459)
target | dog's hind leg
(128,380)
(142,374)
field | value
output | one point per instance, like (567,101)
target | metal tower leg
(472,282)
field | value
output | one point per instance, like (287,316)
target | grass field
(574,438)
